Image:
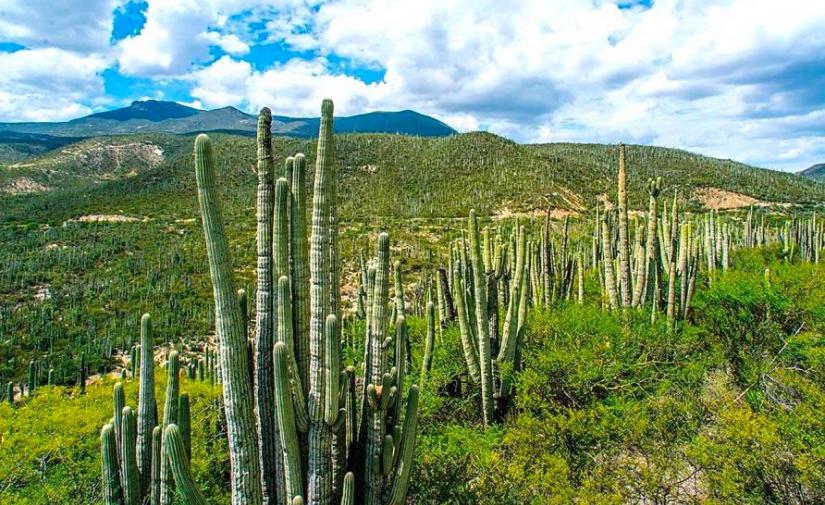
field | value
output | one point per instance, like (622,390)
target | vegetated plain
(607,408)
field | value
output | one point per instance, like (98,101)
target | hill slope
(816,172)
(394,176)
(170,117)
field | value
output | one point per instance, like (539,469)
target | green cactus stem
(112,492)
(175,452)
(129,469)
(234,361)
(147,407)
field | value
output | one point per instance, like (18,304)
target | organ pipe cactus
(309,388)
(130,478)
(482,324)
(170,416)
(269,455)
(112,492)
(173,441)
(147,408)
(624,246)
(232,346)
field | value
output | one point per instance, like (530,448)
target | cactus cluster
(294,433)
(131,447)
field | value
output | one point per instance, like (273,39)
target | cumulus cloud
(75,25)
(743,79)
(48,84)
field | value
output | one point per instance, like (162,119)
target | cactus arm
(470,351)
(482,322)
(112,493)
(286,336)
(130,476)
(175,452)
(401,475)
(170,416)
(154,480)
(300,268)
(332,370)
(286,423)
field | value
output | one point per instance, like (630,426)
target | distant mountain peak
(816,172)
(144,116)
(151,110)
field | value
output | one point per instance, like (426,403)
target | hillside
(816,172)
(153,116)
(389,176)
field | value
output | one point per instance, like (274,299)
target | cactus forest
(295,346)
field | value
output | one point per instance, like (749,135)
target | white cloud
(741,78)
(48,84)
(77,25)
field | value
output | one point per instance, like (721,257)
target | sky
(739,79)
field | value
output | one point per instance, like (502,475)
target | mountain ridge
(156,116)
(815,172)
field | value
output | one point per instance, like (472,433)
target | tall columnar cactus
(10,393)
(170,416)
(147,408)
(427,362)
(607,252)
(313,399)
(112,492)
(269,448)
(154,488)
(175,445)
(232,346)
(300,268)
(118,402)
(654,187)
(32,383)
(624,246)
(322,293)
(482,323)
(130,477)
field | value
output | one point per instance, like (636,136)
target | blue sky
(740,79)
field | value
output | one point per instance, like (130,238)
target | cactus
(118,403)
(269,449)
(154,481)
(175,451)
(482,323)
(10,393)
(147,408)
(309,389)
(232,346)
(427,362)
(624,247)
(112,492)
(184,423)
(32,383)
(129,470)
(170,416)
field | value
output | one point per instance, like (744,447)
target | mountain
(816,172)
(153,116)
